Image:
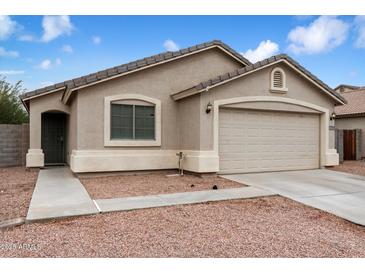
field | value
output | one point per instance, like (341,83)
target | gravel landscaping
(149,184)
(262,227)
(354,167)
(16,189)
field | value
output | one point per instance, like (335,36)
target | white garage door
(254,141)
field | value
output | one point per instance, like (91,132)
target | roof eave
(189,51)
(153,65)
(24,104)
(41,94)
(189,92)
(350,115)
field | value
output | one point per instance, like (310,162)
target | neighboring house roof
(348,87)
(137,65)
(355,103)
(252,68)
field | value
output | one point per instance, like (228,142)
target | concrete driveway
(341,194)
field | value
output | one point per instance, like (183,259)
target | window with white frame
(132,121)
(278,80)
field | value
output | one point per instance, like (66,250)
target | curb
(11,223)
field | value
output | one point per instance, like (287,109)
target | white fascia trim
(25,106)
(66,94)
(239,60)
(41,94)
(147,159)
(325,151)
(186,93)
(183,94)
(127,143)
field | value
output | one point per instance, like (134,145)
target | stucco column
(332,134)
(35,156)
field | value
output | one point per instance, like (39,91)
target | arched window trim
(276,89)
(120,97)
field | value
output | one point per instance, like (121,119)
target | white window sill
(279,90)
(132,143)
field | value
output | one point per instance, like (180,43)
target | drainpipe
(181,157)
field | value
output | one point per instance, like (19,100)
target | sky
(43,50)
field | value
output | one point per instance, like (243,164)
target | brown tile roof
(242,71)
(355,104)
(348,87)
(129,67)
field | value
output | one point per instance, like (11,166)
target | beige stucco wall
(38,105)
(189,124)
(158,82)
(52,102)
(353,123)
(185,124)
(258,84)
(72,128)
(332,133)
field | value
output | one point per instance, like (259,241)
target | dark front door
(349,145)
(53,137)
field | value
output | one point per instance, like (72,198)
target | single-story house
(350,121)
(225,114)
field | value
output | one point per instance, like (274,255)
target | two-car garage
(264,140)
(271,116)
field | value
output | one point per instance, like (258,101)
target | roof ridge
(349,86)
(354,91)
(133,65)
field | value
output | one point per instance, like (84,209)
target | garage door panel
(234,131)
(254,141)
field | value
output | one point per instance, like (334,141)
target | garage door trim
(261,140)
(324,119)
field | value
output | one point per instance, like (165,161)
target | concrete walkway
(59,194)
(129,203)
(339,193)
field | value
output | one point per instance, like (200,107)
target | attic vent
(278,80)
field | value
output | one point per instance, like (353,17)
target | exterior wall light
(209,108)
(333,116)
